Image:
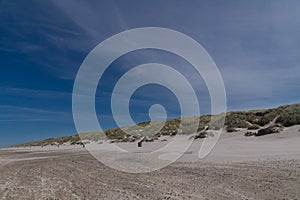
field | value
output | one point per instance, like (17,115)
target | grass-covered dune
(258,122)
(75,139)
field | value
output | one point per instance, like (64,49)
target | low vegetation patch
(201,135)
(289,116)
(276,128)
(231,129)
(253,127)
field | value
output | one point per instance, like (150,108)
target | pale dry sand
(239,167)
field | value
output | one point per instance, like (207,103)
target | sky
(255,44)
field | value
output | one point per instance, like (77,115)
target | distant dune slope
(258,122)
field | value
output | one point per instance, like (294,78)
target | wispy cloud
(33,92)
(17,113)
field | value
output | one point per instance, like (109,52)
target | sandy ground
(239,167)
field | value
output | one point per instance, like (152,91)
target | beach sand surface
(239,167)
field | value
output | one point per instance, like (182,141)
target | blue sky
(255,44)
